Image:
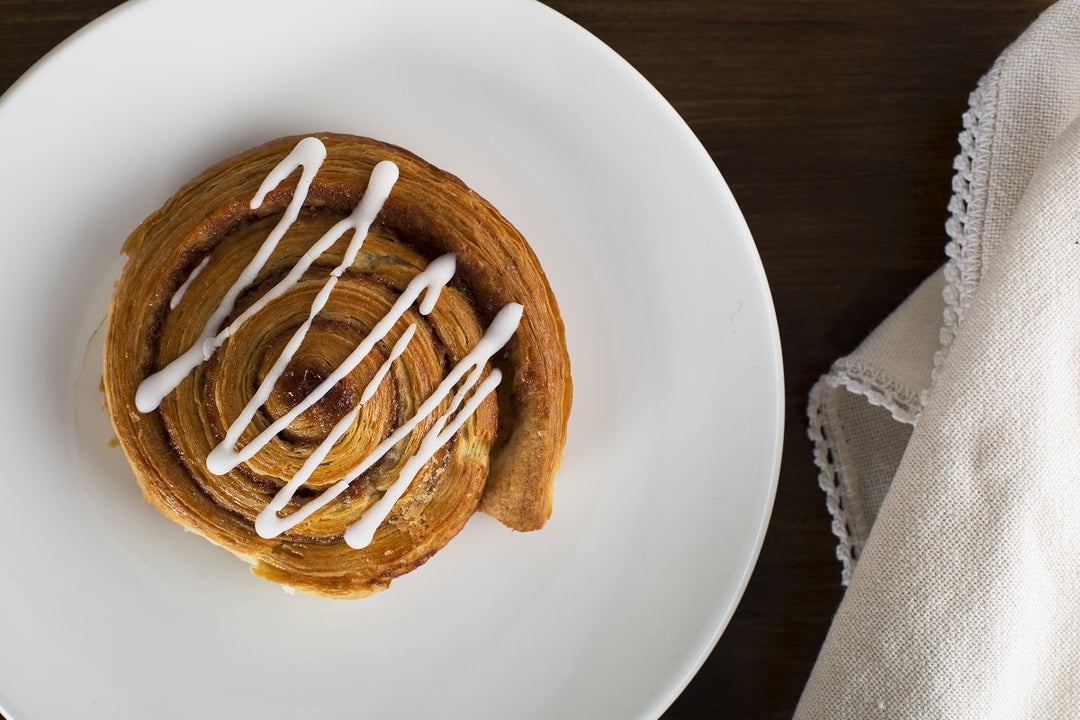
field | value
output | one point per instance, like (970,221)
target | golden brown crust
(503,460)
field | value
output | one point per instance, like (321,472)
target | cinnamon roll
(325,354)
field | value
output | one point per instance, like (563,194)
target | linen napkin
(949,441)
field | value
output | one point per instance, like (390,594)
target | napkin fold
(949,441)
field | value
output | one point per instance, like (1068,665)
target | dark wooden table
(835,123)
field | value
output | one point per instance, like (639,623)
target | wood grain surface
(834,122)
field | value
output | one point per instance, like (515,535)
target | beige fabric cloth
(949,441)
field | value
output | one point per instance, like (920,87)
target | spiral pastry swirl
(182,262)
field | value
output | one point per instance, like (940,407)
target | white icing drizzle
(267,524)
(358,535)
(383,177)
(224,457)
(309,155)
(179,294)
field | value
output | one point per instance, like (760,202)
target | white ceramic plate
(109,611)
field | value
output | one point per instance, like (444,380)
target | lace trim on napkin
(831,480)
(879,389)
(967,209)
